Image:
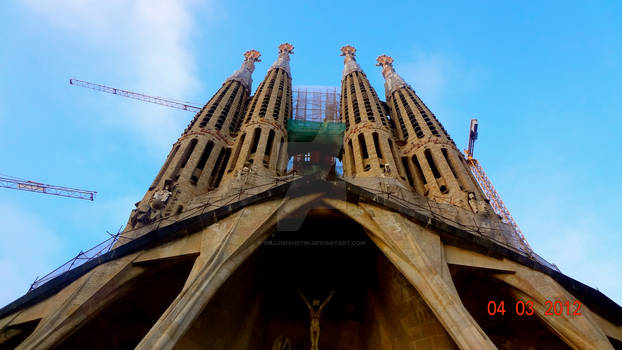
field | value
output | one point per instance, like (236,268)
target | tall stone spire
(392,80)
(282,60)
(434,166)
(197,162)
(244,74)
(349,62)
(370,151)
(260,150)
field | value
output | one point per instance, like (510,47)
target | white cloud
(20,263)
(144,45)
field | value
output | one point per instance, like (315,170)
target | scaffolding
(315,103)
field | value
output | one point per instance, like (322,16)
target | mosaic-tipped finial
(286,48)
(282,61)
(392,80)
(252,55)
(350,64)
(348,50)
(244,74)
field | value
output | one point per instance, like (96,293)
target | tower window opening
(430,159)
(255,140)
(237,115)
(277,104)
(280,155)
(219,167)
(255,100)
(225,111)
(186,156)
(370,115)
(407,170)
(344,106)
(377,145)
(423,114)
(451,167)
(213,105)
(395,159)
(201,164)
(179,209)
(237,153)
(355,104)
(363,146)
(268,151)
(444,189)
(268,94)
(411,116)
(419,169)
(352,164)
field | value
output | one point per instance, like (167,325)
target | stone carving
(160,197)
(315,311)
(478,207)
(392,80)
(243,75)
(350,64)
(282,343)
(141,215)
(282,61)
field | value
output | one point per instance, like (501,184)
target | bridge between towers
(315,134)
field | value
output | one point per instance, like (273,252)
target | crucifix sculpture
(315,310)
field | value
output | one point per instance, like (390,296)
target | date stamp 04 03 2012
(525,308)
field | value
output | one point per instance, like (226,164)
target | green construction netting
(317,132)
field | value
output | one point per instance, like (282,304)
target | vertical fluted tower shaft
(261,145)
(198,159)
(369,147)
(434,165)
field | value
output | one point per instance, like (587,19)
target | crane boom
(489,190)
(25,185)
(135,95)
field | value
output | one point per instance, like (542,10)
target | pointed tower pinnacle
(197,161)
(392,80)
(244,74)
(369,149)
(282,61)
(434,166)
(350,64)
(260,150)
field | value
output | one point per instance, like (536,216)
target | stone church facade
(231,249)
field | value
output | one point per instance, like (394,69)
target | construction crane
(25,185)
(135,95)
(489,190)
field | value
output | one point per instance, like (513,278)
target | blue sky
(543,80)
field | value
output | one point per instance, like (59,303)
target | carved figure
(142,214)
(315,311)
(282,343)
(160,197)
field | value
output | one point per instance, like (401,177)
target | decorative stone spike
(244,74)
(392,79)
(282,61)
(350,64)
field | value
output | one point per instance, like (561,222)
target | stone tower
(197,161)
(369,147)
(434,166)
(401,252)
(261,147)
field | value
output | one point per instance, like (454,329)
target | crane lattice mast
(25,185)
(135,95)
(489,190)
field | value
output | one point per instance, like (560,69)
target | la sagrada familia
(232,247)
